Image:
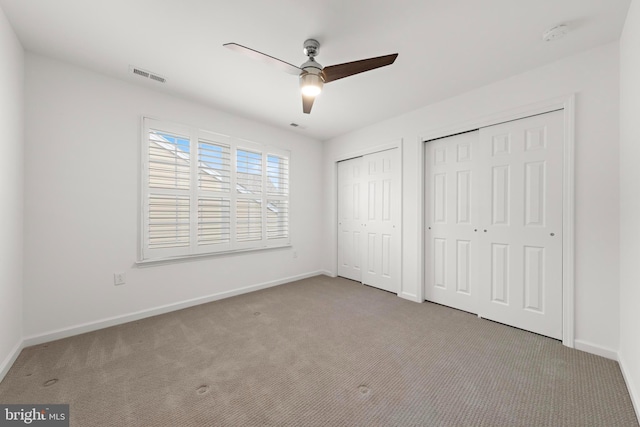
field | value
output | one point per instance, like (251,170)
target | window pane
(248,220)
(168,221)
(168,161)
(249,172)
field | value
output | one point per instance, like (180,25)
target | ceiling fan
(313,75)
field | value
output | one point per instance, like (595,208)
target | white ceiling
(445,47)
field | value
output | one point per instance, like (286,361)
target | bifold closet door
(381,207)
(369,219)
(453,207)
(350,219)
(521,250)
(493,243)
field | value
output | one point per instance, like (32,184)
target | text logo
(34,415)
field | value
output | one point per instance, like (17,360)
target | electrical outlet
(295,254)
(119,278)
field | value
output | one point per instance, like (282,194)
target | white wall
(593,76)
(11,190)
(81,204)
(629,354)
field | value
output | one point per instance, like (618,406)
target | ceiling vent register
(147,74)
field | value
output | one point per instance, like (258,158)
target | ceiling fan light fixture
(311,84)
(312,75)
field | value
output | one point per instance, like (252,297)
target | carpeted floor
(320,352)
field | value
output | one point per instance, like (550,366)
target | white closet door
(369,219)
(494,223)
(381,205)
(521,249)
(453,218)
(350,219)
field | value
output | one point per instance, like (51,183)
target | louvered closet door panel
(452,206)
(521,251)
(381,211)
(350,220)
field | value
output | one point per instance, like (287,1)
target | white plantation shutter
(169,166)
(277,175)
(167,216)
(168,221)
(248,220)
(214,188)
(249,181)
(248,171)
(278,197)
(277,219)
(214,221)
(214,166)
(209,193)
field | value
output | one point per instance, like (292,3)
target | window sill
(186,258)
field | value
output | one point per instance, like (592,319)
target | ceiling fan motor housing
(311,79)
(311,48)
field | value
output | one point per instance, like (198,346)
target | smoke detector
(555,33)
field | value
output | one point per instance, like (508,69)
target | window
(207,193)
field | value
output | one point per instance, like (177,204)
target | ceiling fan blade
(263,57)
(335,72)
(307,103)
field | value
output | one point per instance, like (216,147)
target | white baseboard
(634,393)
(8,362)
(118,320)
(328,273)
(410,297)
(596,349)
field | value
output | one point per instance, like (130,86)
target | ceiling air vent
(140,73)
(157,78)
(147,74)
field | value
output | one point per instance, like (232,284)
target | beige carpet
(320,352)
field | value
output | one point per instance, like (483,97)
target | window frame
(196,194)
